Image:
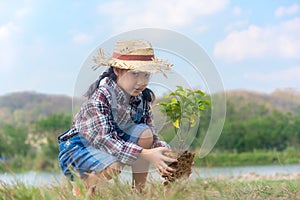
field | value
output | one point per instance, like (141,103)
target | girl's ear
(117,71)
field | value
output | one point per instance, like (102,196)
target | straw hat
(135,55)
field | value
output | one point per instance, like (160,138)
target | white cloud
(201,28)
(8,47)
(239,21)
(7,30)
(280,41)
(11,30)
(81,38)
(237,11)
(22,12)
(124,14)
(286,75)
(15,11)
(236,25)
(282,11)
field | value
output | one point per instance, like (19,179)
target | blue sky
(255,45)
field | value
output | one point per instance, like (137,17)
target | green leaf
(183,106)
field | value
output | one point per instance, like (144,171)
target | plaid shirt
(95,122)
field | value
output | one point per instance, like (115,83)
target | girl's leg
(141,167)
(95,180)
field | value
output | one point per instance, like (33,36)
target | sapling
(183,110)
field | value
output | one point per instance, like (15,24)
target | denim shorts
(78,155)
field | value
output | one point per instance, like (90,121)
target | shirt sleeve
(95,124)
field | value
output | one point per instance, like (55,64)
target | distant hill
(284,100)
(26,107)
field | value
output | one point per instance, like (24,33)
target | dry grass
(193,189)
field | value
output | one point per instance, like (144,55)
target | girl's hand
(158,159)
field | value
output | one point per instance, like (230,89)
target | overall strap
(114,106)
(114,113)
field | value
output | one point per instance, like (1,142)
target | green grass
(193,189)
(259,157)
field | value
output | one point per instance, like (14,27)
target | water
(264,170)
(32,178)
(47,178)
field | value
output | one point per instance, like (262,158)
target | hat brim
(152,66)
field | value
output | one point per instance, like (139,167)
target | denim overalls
(77,154)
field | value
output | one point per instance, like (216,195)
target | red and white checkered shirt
(95,122)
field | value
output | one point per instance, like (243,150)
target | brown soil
(183,166)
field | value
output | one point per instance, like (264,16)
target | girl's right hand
(156,157)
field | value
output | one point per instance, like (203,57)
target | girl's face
(132,82)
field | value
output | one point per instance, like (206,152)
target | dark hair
(148,95)
(92,88)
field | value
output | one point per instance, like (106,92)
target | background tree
(49,128)
(13,141)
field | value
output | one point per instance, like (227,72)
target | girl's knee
(146,139)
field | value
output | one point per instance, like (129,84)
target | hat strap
(133,57)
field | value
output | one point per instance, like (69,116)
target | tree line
(248,128)
(255,127)
(33,146)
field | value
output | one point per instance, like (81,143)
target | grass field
(193,189)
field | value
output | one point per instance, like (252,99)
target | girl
(114,127)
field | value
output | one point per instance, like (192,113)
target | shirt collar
(120,93)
